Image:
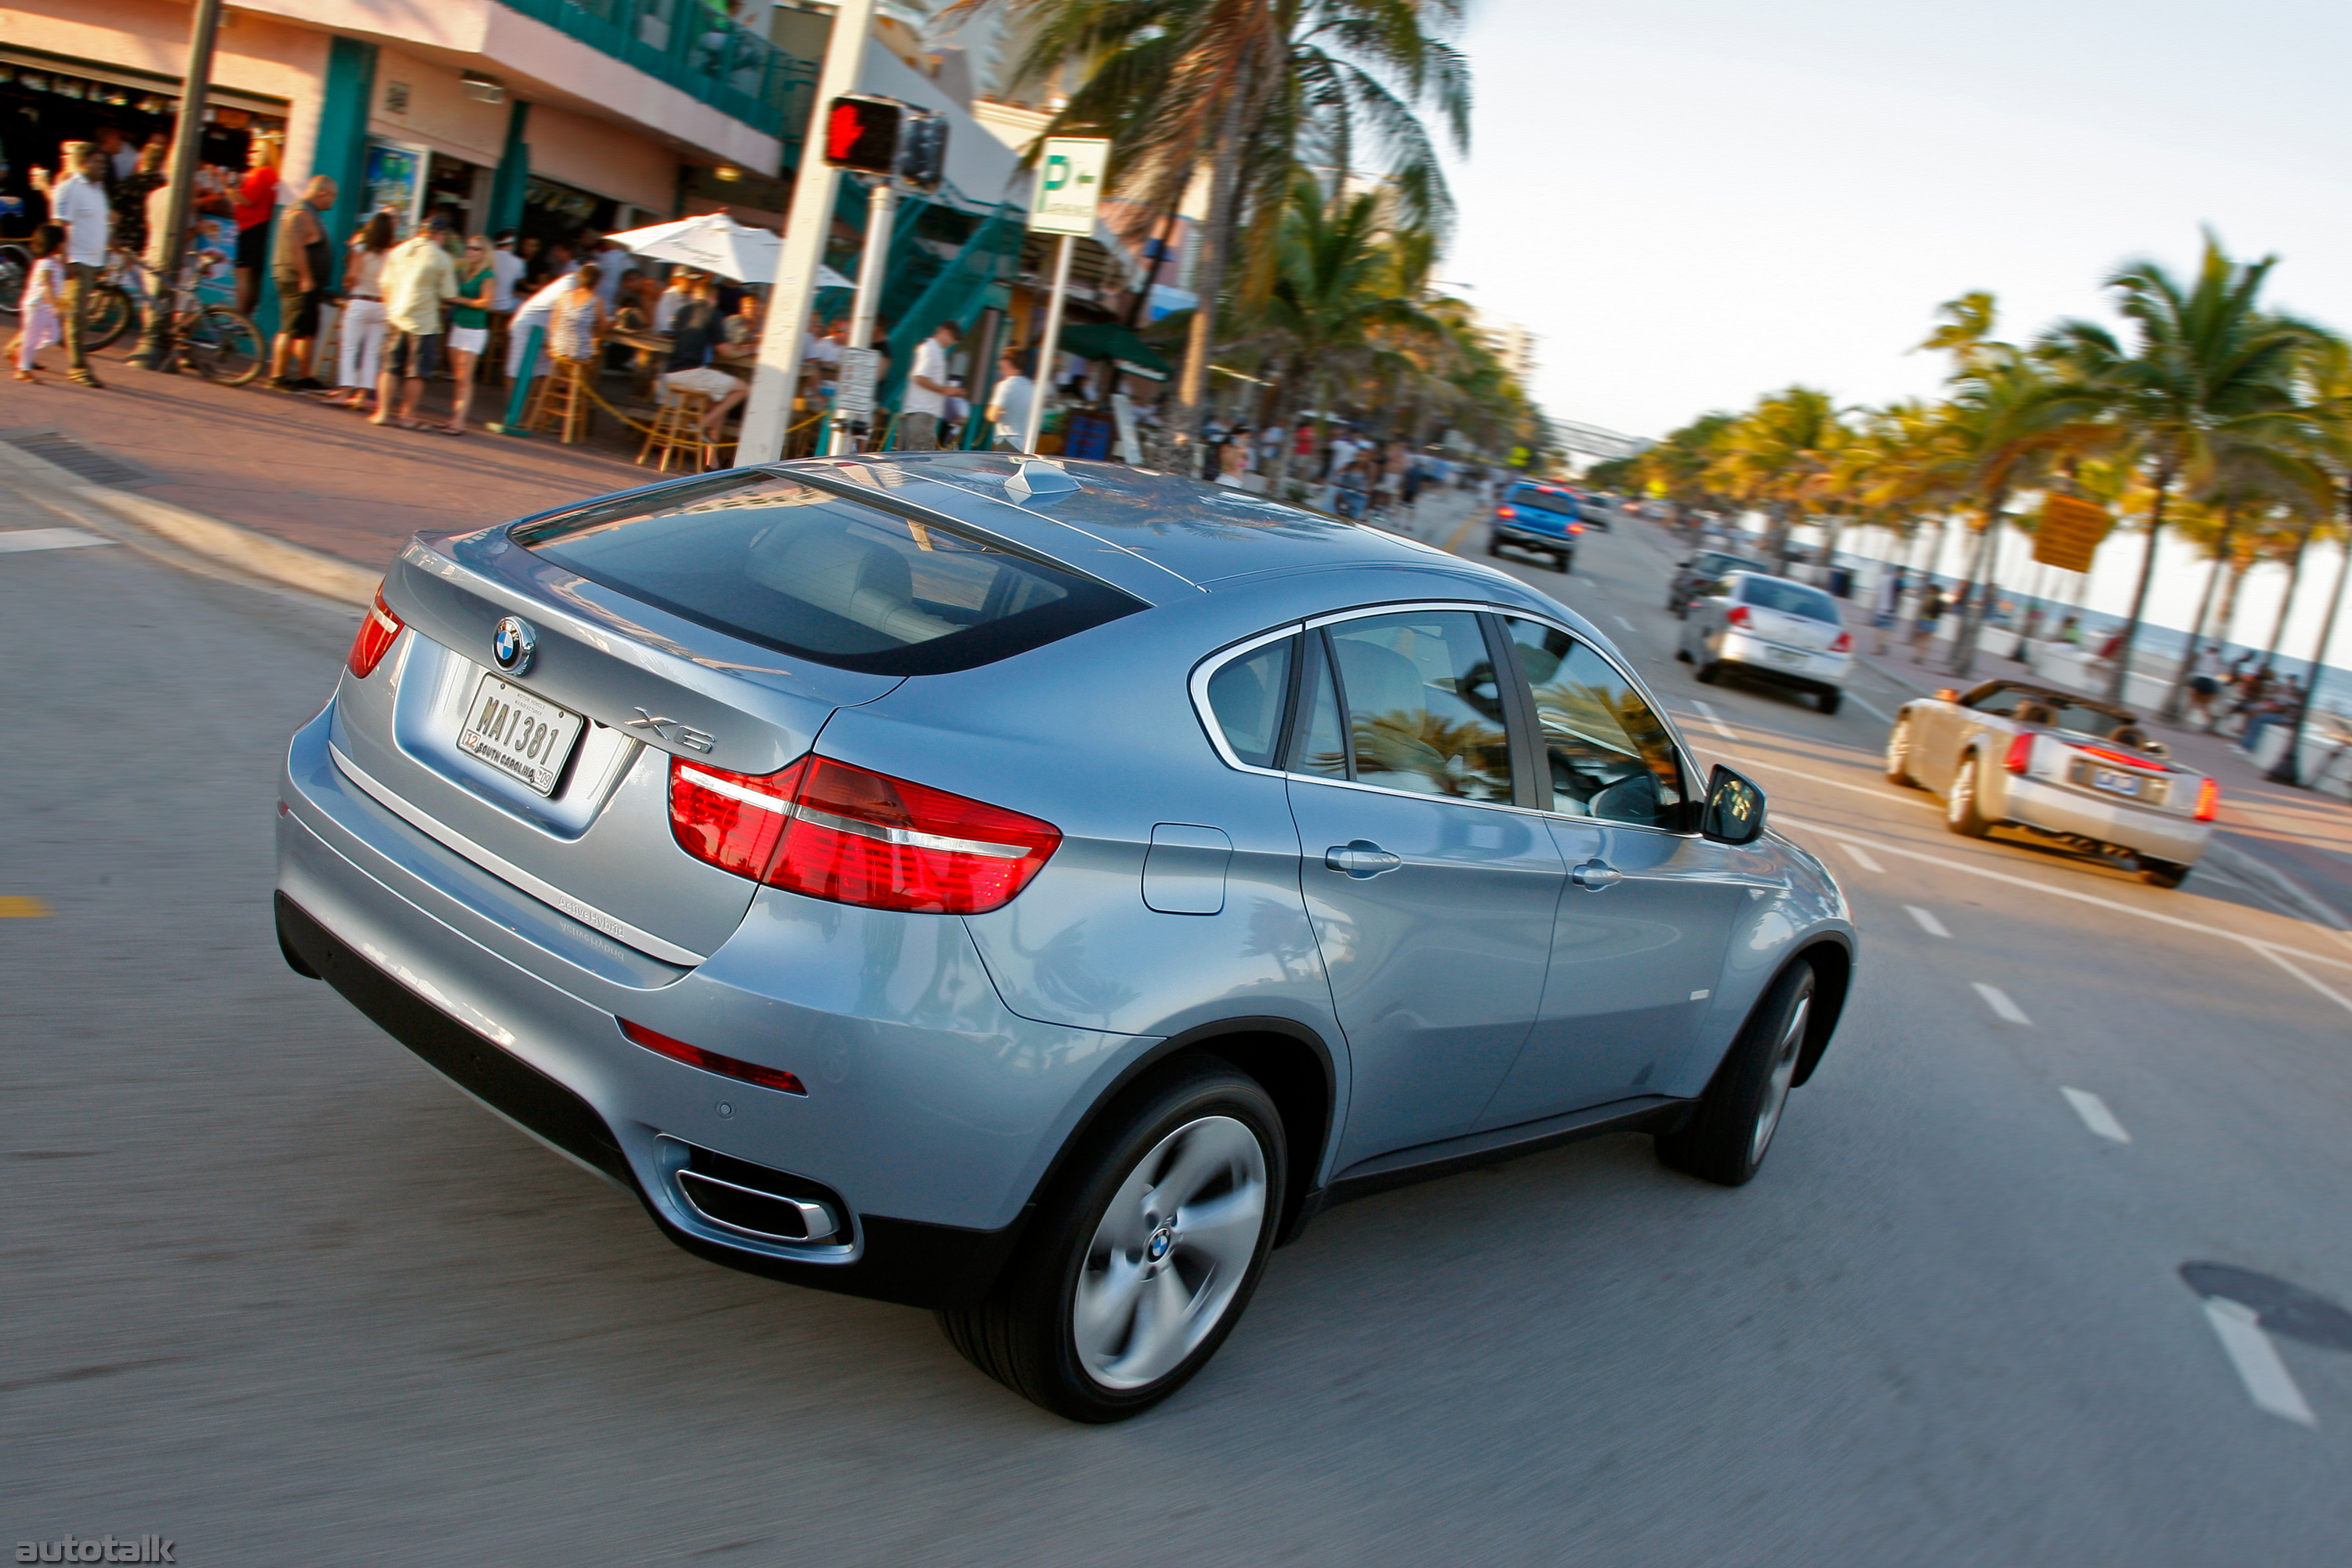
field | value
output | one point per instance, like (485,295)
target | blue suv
(1541,517)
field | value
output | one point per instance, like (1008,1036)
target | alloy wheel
(1785,1051)
(1170,1252)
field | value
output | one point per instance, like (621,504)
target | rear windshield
(1788,598)
(2054,710)
(1714,563)
(1544,500)
(778,563)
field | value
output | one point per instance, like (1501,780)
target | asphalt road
(270,1288)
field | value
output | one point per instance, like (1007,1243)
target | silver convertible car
(2082,772)
(1033,890)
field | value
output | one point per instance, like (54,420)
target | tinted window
(2053,710)
(1247,695)
(1714,563)
(1609,754)
(783,565)
(1788,598)
(1323,744)
(1543,500)
(1424,709)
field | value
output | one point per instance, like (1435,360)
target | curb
(242,550)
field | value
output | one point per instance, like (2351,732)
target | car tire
(1074,1323)
(1960,813)
(1681,653)
(1567,560)
(1827,701)
(1898,755)
(1494,550)
(1730,1131)
(2162,873)
(1709,670)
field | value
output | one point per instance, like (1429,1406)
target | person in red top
(257,204)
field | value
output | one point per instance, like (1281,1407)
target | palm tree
(2207,371)
(1250,89)
(1778,458)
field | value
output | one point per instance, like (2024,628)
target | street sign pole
(196,89)
(777,372)
(1070,185)
(881,205)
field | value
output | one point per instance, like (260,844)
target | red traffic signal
(862,133)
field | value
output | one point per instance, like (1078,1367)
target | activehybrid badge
(513,644)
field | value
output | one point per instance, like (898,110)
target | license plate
(522,735)
(2116,783)
(1782,656)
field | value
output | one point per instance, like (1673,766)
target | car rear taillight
(376,635)
(1844,643)
(1576,528)
(1737,615)
(2020,752)
(711,1061)
(855,836)
(2208,801)
(1506,512)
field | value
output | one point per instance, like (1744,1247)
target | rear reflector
(2020,752)
(376,635)
(711,1061)
(2208,801)
(833,831)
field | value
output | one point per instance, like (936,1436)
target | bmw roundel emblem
(513,644)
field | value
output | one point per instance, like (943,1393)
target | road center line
(1867,706)
(2006,1011)
(22,539)
(1713,722)
(1928,921)
(2268,1383)
(2096,1114)
(1862,857)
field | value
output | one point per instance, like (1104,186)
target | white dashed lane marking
(1622,622)
(1928,923)
(1716,724)
(2249,1350)
(2096,1114)
(1867,706)
(1862,857)
(22,539)
(2006,1011)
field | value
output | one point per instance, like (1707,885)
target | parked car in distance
(1032,890)
(2010,753)
(1777,631)
(1541,519)
(1700,571)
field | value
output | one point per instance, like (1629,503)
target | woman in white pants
(362,318)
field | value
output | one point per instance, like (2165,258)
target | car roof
(1171,533)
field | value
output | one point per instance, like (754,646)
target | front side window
(1609,754)
(1424,706)
(763,557)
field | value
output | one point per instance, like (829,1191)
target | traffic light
(862,133)
(923,149)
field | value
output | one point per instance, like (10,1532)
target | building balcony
(687,44)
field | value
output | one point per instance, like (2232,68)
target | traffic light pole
(195,91)
(1049,347)
(881,205)
(777,372)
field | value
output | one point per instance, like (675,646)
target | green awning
(1108,340)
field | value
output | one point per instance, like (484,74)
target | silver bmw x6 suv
(1033,890)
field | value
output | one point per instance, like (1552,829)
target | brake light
(376,635)
(1576,528)
(711,1061)
(1737,616)
(854,837)
(1507,512)
(2020,752)
(2208,801)
(1844,643)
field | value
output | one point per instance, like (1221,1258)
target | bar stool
(677,432)
(561,401)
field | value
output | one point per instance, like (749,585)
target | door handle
(1596,876)
(1360,858)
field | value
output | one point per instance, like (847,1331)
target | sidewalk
(290,468)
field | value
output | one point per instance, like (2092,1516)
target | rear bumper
(1533,538)
(2033,804)
(1756,657)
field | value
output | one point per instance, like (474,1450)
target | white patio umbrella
(718,244)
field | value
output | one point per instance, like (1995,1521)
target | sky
(1695,202)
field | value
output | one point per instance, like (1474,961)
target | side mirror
(1733,812)
(1947,694)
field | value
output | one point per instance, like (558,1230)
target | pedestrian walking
(360,353)
(1008,404)
(926,401)
(78,203)
(469,327)
(2205,685)
(1889,608)
(418,281)
(39,309)
(302,265)
(1930,615)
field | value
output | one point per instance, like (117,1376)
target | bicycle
(108,302)
(15,269)
(217,342)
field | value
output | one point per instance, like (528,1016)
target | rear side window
(765,558)
(1788,598)
(1247,697)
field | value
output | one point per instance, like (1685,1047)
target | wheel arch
(1832,965)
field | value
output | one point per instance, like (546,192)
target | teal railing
(696,49)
